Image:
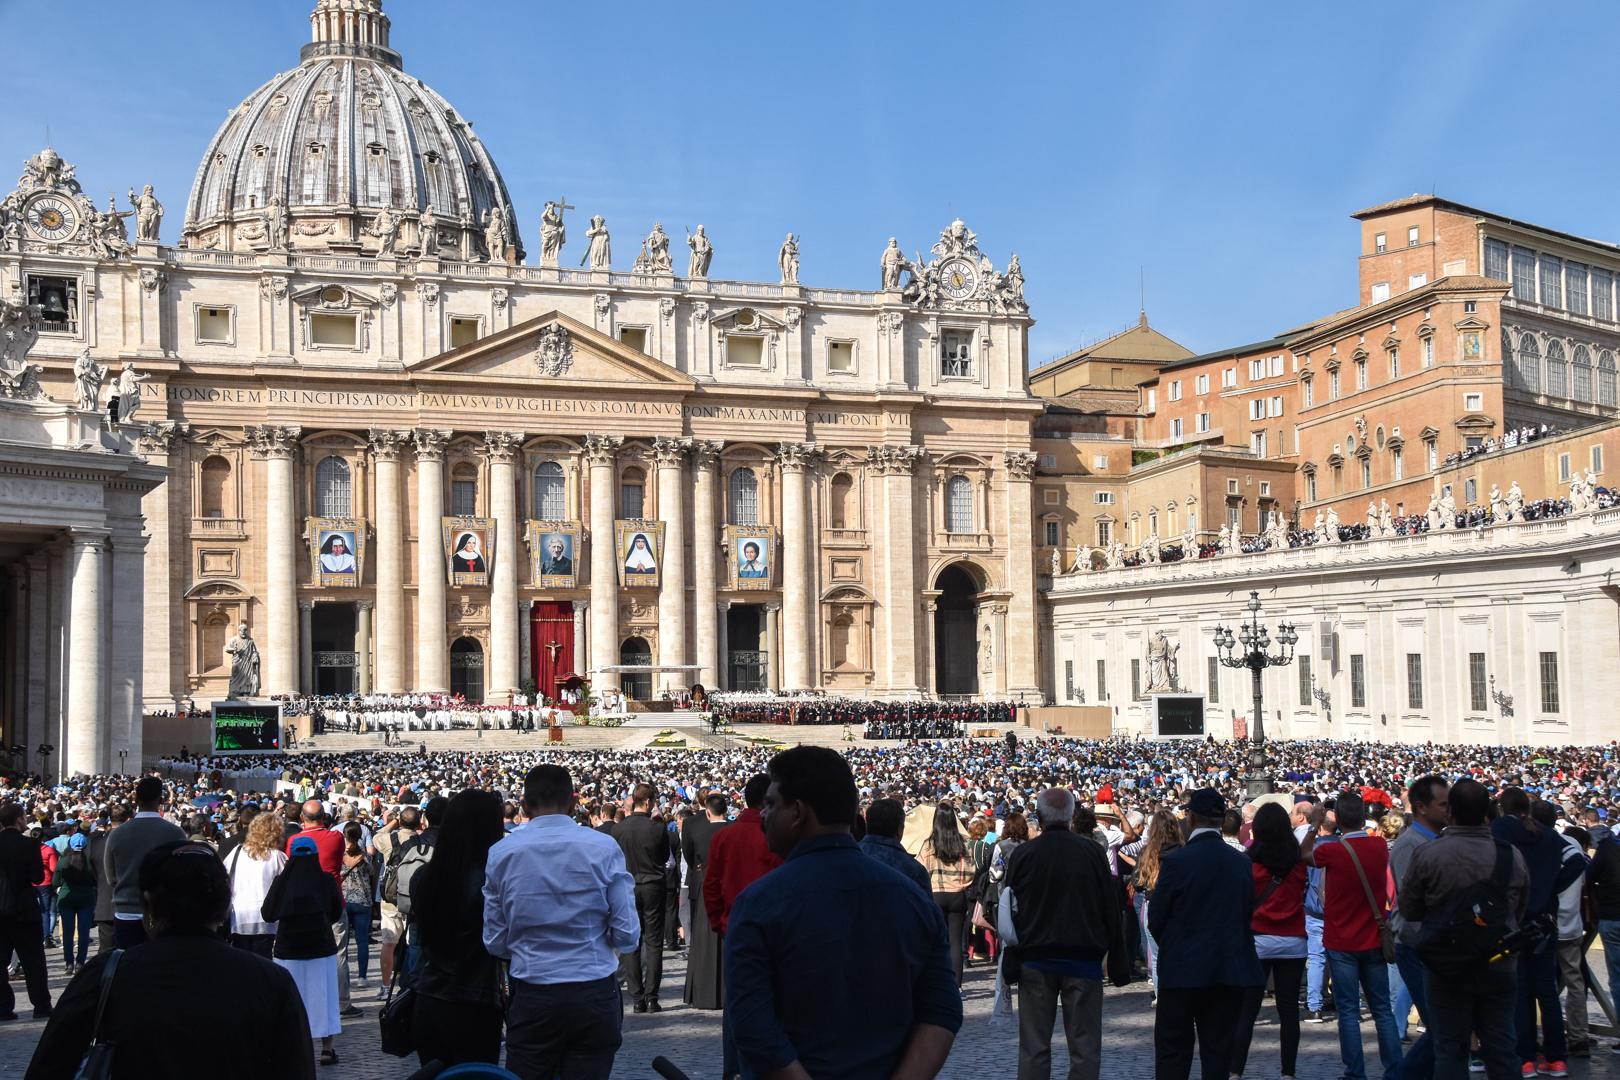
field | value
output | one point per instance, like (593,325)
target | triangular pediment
(552,348)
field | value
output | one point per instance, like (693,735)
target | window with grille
(332,488)
(1414,680)
(1549,682)
(1529,363)
(550,492)
(1358,681)
(1524,275)
(1214,681)
(1105,533)
(1477,701)
(1552,290)
(464,498)
(1304,662)
(1496,260)
(1557,370)
(959,505)
(744,497)
(1608,393)
(1051,534)
(1581,369)
(1575,288)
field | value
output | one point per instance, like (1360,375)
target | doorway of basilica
(551,644)
(637,685)
(331,633)
(745,668)
(956,639)
(467,669)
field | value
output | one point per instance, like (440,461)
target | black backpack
(1461,941)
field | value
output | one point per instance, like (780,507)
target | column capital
(772,609)
(87,538)
(1020,463)
(386,443)
(273,440)
(581,605)
(430,443)
(706,452)
(526,602)
(671,452)
(796,457)
(162,437)
(306,605)
(501,447)
(893,460)
(363,605)
(723,605)
(600,449)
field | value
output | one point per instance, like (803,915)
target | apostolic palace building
(410,448)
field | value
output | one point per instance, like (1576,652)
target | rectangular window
(58,298)
(1477,701)
(1310,486)
(1600,285)
(1051,534)
(214,324)
(462,332)
(464,498)
(1380,292)
(1597,459)
(1394,363)
(1473,402)
(633,337)
(1274,406)
(1414,680)
(1428,352)
(1175,390)
(1552,290)
(1400,465)
(1549,682)
(1257,370)
(1257,443)
(1333,385)
(1234,518)
(1496,260)
(1100,463)
(1416,281)
(1470,492)
(631,501)
(1103,498)
(1304,662)
(1265,487)
(1274,366)
(1201,384)
(1563,468)
(1231,485)
(1433,449)
(1257,408)
(1201,423)
(1524,274)
(1228,377)
(1104,533)
(334,330)
(1152,402)
(1361,374)
(1366,472)
(1047,461)
(1068,680)
(1310,392)
(955,360)
(1411,236)
(1380,243)
(1214,681)
(1358,681)
(749,351)
(1575,287)
(1102,681)
(840,356)
(1136,680)
(1175,429)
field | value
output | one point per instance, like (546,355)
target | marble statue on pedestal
(1223,543)
(1498,506)
(600,251)
(1372,519)
(702,254)
(1082,561)
(244,654)
(148,213)
(1434,512)
(1057,562)
(1333,524)
(427,230)
(1319,527)
(1448,511)
(788,260)
(658,249)
(496,237)
(1116,555)
(274,220)
(1515,502)
(1386,523)
(87,376)
(892,261)
(1161,658)
(385,227)
(126,399)
(553,234)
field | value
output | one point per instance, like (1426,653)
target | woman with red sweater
(1279,933)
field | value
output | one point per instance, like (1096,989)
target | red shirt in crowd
(1283,913)
(738,857)
(329,848)
(1348,923)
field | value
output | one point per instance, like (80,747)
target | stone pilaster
(705,545)
(670,456)
(898,586)
(306,647)
(795,459)
(388,557)
(773,664)
(159,442)
(276,445)
(502,448)
(1019,654)
(86,742)
(362,647)
(604,637)
(125,660)
(526,638)
(432,659)
(580,607)
(39,633)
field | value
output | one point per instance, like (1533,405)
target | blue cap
(303,845)
(77,841)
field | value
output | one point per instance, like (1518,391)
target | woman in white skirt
(304,901)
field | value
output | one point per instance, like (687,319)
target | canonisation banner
(554,554)
(338,548)
(640,546)
(752,558)
(469,546)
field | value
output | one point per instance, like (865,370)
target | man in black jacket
(20,930)
(1059,897)
(646,851)
(98,863)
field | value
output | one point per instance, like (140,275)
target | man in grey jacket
(127,845)
(1426,797)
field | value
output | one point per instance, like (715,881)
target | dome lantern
(349,28)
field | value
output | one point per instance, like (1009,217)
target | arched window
(550,492)
(464,490)
(1607,391)
(840,502)
(332,488)
(744,497)
(1557,370)
(215,496)
(1582,370)
(959,505)
(632,494)
(1509,369)
(1530,363)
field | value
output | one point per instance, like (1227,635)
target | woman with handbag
(460,1003)
(950,869)
(254,866)
(358,877)
(1279,933)
(304,902)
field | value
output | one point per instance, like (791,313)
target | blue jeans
(1403,999)
(1315,963)
(1538,985)
(1412,977)
(1609,931)
(359,916)
(47,908)
(83,919)
(1355,973)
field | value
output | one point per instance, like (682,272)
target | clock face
(51,218)
(957,279)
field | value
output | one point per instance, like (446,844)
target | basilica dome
(345,153)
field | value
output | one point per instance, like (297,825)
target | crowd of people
(395,714)
(877,719)
(1052,856)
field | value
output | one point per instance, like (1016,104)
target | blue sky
(1218,147)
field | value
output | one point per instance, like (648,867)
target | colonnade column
(604,638)
(502,447)
(898,587)
(773,662)
(39,632)
(705,542)
(86,704)
(1019,655)
(431,660)
(580,607)
(794,459)
(306,648)
(362,647)
(722,673)
(670,455)
(526,638)
(389,553)
(276,444)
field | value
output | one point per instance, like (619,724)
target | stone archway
(956,638)
(467,669)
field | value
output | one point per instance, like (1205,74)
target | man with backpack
(1446,880)
(391,927)
(409,858)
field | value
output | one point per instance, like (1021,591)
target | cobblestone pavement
(691,1039)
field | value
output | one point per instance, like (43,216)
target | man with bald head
(329,847)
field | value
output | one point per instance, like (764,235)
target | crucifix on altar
(555,647)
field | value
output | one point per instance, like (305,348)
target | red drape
(551,639)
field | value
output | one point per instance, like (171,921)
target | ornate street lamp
(1256,641)
(45,751)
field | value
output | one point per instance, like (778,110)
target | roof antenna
(1141,285)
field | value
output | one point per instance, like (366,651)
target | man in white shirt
(559,906)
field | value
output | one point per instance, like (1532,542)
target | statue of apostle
(702,253)
(244,654)
(892,262)
(600,252)
(788,260)
(148,213)
(552,234)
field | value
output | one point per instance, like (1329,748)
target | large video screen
(246,729)
(1178,716)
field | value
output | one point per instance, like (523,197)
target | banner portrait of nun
(337,547)
(469,544)
(641,547)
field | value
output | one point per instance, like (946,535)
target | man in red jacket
(738,857)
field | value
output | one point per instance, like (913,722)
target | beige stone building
(379,420)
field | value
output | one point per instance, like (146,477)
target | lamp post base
(1260,782)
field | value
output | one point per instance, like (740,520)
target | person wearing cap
(304,902)
(1201,919)
(75,897)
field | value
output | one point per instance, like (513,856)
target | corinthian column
(501,447)
(276,444)
(705,542)
(87,677)
(796,543)
(431,659)
(898,593)
(158,443)
(388,557)
(670,455)
(1018,657)
(604,610)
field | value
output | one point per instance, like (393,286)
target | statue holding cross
(552,233)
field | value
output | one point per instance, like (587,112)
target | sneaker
(45,1013)
(1552,1068)
(1477,1064)
(1580,1048)
(350,1013)
(1315,1016)
(364,982)
(1529,1070)
(1541,1063)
